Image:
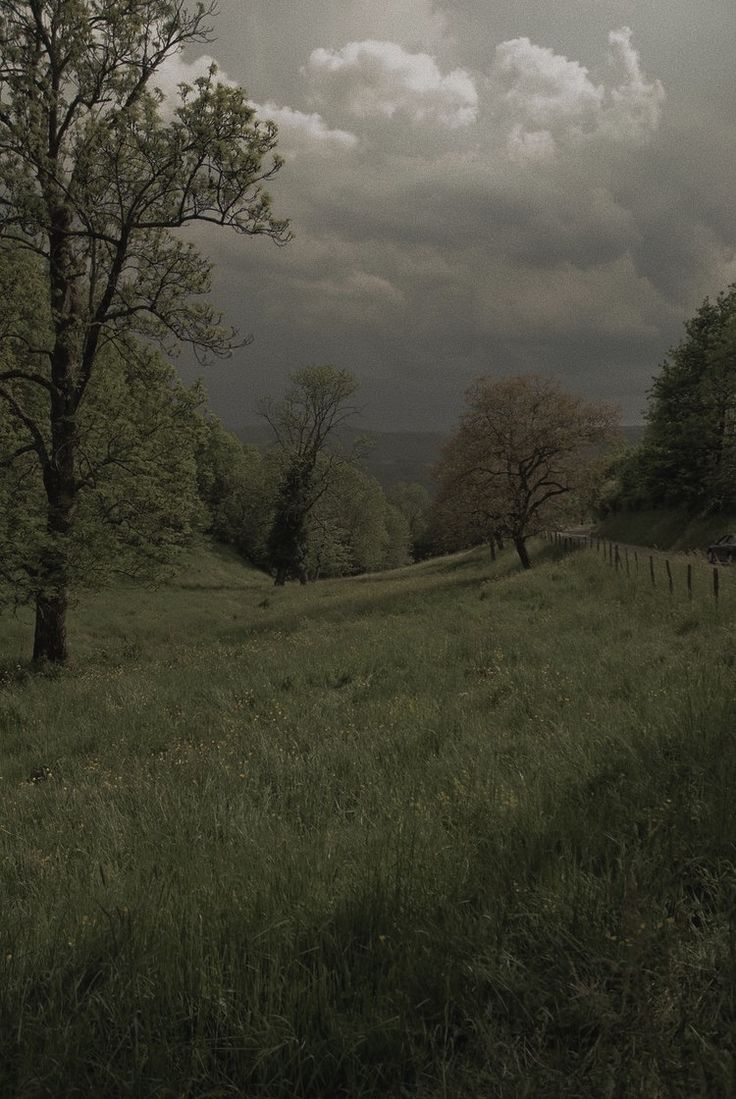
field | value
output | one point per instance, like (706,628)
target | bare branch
(30,424)
(8,461)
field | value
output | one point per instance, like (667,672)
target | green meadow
(449,831)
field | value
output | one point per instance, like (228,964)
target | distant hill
(392,456)
(389,456)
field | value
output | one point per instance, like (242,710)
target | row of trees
(106,464)
(153,469)
(687,458)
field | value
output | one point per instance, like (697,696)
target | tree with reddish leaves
(517,457)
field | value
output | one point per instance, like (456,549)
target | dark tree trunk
(52,600)
(287,542)
(59,473)
(49,642)
(520,546)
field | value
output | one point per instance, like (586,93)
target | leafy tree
(137,499)
(94,179)
(304,422)
(399,546)
(688,454)
(459,517)
(518,455)
(353,528)
(415,505)
(237,486)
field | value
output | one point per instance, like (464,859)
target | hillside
(449,831)
(666,528)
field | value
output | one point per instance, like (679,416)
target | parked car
(723,551)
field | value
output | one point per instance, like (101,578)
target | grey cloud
(372,77)
(426,255)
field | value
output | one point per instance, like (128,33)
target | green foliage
(376,837)
(353,528)
(137,501)
(237,485)
(688,455)
(95,176)
(415,504)
(304,423)
(350,526)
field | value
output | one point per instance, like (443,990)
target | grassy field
(453,831)
(666,529)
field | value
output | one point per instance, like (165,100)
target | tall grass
(452,831)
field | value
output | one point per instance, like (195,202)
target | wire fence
(680,575)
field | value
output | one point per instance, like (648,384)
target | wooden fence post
(716,585)
(669,575)
(689,581)
(651,571)
(616,557)
(626,558)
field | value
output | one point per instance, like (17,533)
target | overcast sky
(478,187)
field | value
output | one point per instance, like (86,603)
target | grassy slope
(666,529)
(451,831)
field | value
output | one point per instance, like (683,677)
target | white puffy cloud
(303,126)
(296,128)
(382,78)
(635,106)
(545,87)
(175,70)
(548,100)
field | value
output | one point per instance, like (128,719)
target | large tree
(304,423)
(518,455)
(94,180)
(137,503)
(688,455)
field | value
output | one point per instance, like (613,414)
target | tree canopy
(304,421)
(95,179)
(687,457)
(518,455)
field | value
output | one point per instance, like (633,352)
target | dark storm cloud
(478,188)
